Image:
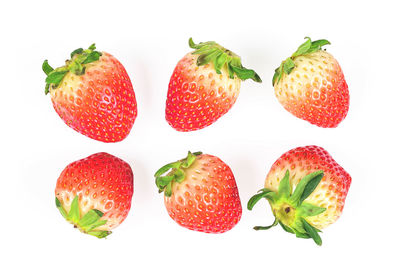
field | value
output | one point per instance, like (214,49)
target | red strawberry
(200,193)
(95,193)
(93,94)
(320,189)
(310,85)
(204,86)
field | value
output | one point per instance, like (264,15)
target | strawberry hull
(100,188)
(306,189)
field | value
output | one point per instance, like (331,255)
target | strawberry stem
(288,65)
(289,208)
(86,224)
(220,57)
(175,173)
(79,58)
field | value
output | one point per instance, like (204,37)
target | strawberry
(310,85)
(204,86)
(200,193)
(320,189)
(95,193)
(93,94)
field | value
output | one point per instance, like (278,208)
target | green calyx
(288,65)
(211,52)
(86,224)
(290,209)
(173,172)
(76,65)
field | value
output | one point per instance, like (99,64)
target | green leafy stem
(211,52)
(76,65)
(88,223)
(288,65)
(289,208)
(175,173)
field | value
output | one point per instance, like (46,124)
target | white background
(149,38)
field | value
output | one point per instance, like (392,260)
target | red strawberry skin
(207,200)
(100,103)
(331,192)
(101,181)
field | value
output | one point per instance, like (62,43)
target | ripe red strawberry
(93,94)
(204,86)
(200,193)
(320,189)
(95,193)
(310,84)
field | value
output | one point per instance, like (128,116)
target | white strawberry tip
(211,52)
(75,65)
(288,65)
(290,209)
(174,173)
(87,223)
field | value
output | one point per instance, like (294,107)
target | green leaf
(77,51)
(61,209)
(298,192)
(243,74)
(302,235)
(303,48)
(168,190)
(92,47)
(93,56)
(162,182)
(55,77)
(211,52)
(179,175)
(288,66)
(254,199)
(309,210)
(189,160)
(89,218)
(208,57)
(285,188)
(311,185)
(166,168)
(312,232)
(317,44)
(73,214)
(47,89)
(277,75)
(286,228)
(99,234)
(192,44)
(94,225)
(47,69)
(219,62)
(77,68)
(266,227)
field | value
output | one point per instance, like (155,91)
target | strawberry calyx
(290,209)
(288,65)
(86,223)
(76,65)
(173,172)
(211,52)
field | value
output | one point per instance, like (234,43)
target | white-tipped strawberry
(306,190)
(310,84)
